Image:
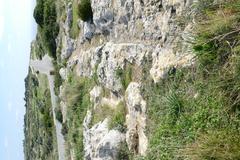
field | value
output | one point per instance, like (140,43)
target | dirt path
(45,66)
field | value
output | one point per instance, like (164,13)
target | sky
(17,30)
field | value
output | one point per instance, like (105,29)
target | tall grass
(194,113)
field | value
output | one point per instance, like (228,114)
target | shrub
(59,115)
(57,78)
(85,10)
(46,17)
(64,129)
(39,13)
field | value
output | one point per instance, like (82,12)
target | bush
(57,78)
(64,129)
(85,10)
(59,115)
(39,13)
(46,17)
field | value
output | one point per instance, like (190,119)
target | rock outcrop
(136,120)
(99,141)
(126,32)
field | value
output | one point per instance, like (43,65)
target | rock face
(99,141)
(136,120)
(67,43)
(124,32)
(133,28)
(95,95)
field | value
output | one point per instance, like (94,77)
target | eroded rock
(136,120)
(100,143)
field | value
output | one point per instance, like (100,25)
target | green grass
(194,113)
(116,116)
(100,113)
(117,120)
(125,75)
(74,30)
(217,144)
(78,101)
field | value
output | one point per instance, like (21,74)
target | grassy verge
(194,113)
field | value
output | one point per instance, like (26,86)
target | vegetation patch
(216,144)
(77,97)
(39,130)
(74,30)
(46,17)
(57,78)
(116,116)
(59,115)
(194,112)
(124,153)
(125,75)
(101,113)
(85,10)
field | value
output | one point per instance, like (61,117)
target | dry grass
(217,145)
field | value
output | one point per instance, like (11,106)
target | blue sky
(17,30)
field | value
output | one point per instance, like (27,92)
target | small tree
(85,10)
(38,14)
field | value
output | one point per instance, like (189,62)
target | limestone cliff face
(123,33)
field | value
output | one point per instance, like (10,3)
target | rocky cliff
(134,79)
(121,35)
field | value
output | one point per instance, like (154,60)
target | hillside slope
(148,79)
